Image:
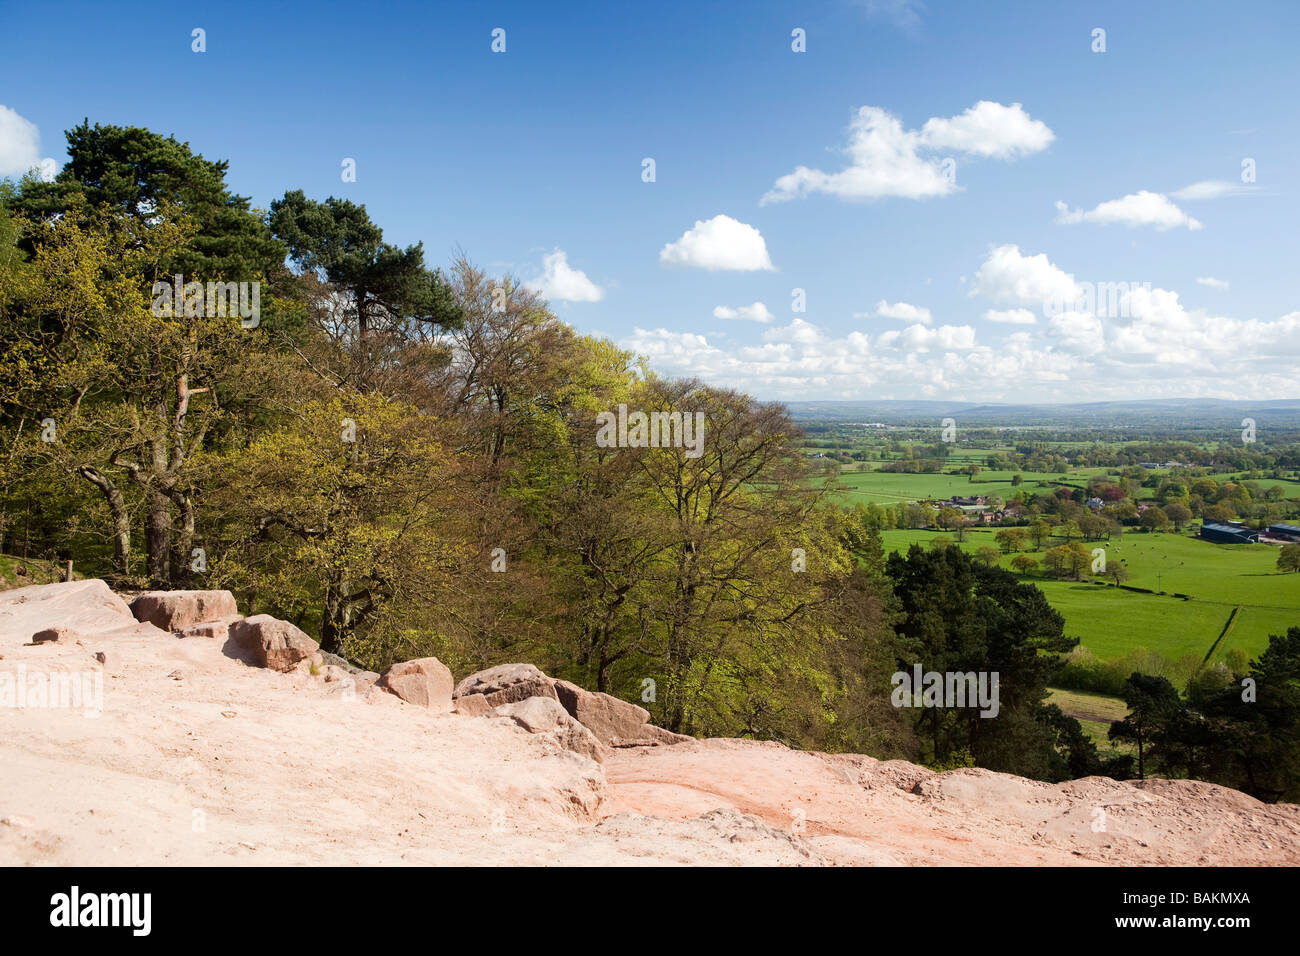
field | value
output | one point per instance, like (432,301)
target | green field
(1111,621)
(888,488)
(884,487)
(1094,712)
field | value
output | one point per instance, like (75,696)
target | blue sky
(921,280)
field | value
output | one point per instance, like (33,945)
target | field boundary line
(1227,627)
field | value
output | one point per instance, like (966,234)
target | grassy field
(884,487)
(1110,621)
(888,488)
(34,572)
(1094,712)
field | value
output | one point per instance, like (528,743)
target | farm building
(1227,534)
(1288,532)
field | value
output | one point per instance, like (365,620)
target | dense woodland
(401,459)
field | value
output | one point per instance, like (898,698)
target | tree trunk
(121,518)
(181,573)
(157,536)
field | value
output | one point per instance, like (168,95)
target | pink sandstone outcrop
(173,610)
(614,722)
(506,684)
(272,642)
(544,715)
(308,767)
(425,682)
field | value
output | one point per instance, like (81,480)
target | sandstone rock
(659,736)
(216,630)
(56,635)
(425,682)
(472,705)
(506,684)
(173,610)
(273,643)
(650,736)
(333,674)
(540,715)
(344,664)
(605,716)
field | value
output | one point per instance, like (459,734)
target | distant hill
(1208,412)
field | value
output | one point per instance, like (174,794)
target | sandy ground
(198,758)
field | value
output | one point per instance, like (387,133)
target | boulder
(56,635)
(173,610)
(507,684)
(345,664)
(605,716)
(273,643)
(542,715)
(650,736)
(471,705)
(216,630)
(425,682)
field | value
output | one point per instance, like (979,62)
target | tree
(1254,722)
(1010,539)
(1068,559)
(1178,513)
(1024,564)
(1154,519)
(377,301)
(959,616)
(1039,531)
(1288,558)
(988,555)
(136,172)
(1117,572)
(138,394)
(131,390)
(1094,527)
(1153,704)
(342,516)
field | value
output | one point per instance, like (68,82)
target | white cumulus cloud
(1142,208)
(717,244)
(886,160)
(560,281)
(1212,282)
(904,311)
(989,129)
(919,338)
(756,312)
(1008,276)
(1011,316)
(20,147)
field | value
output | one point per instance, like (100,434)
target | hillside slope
(198,758)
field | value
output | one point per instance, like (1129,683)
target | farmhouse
(1227,534)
